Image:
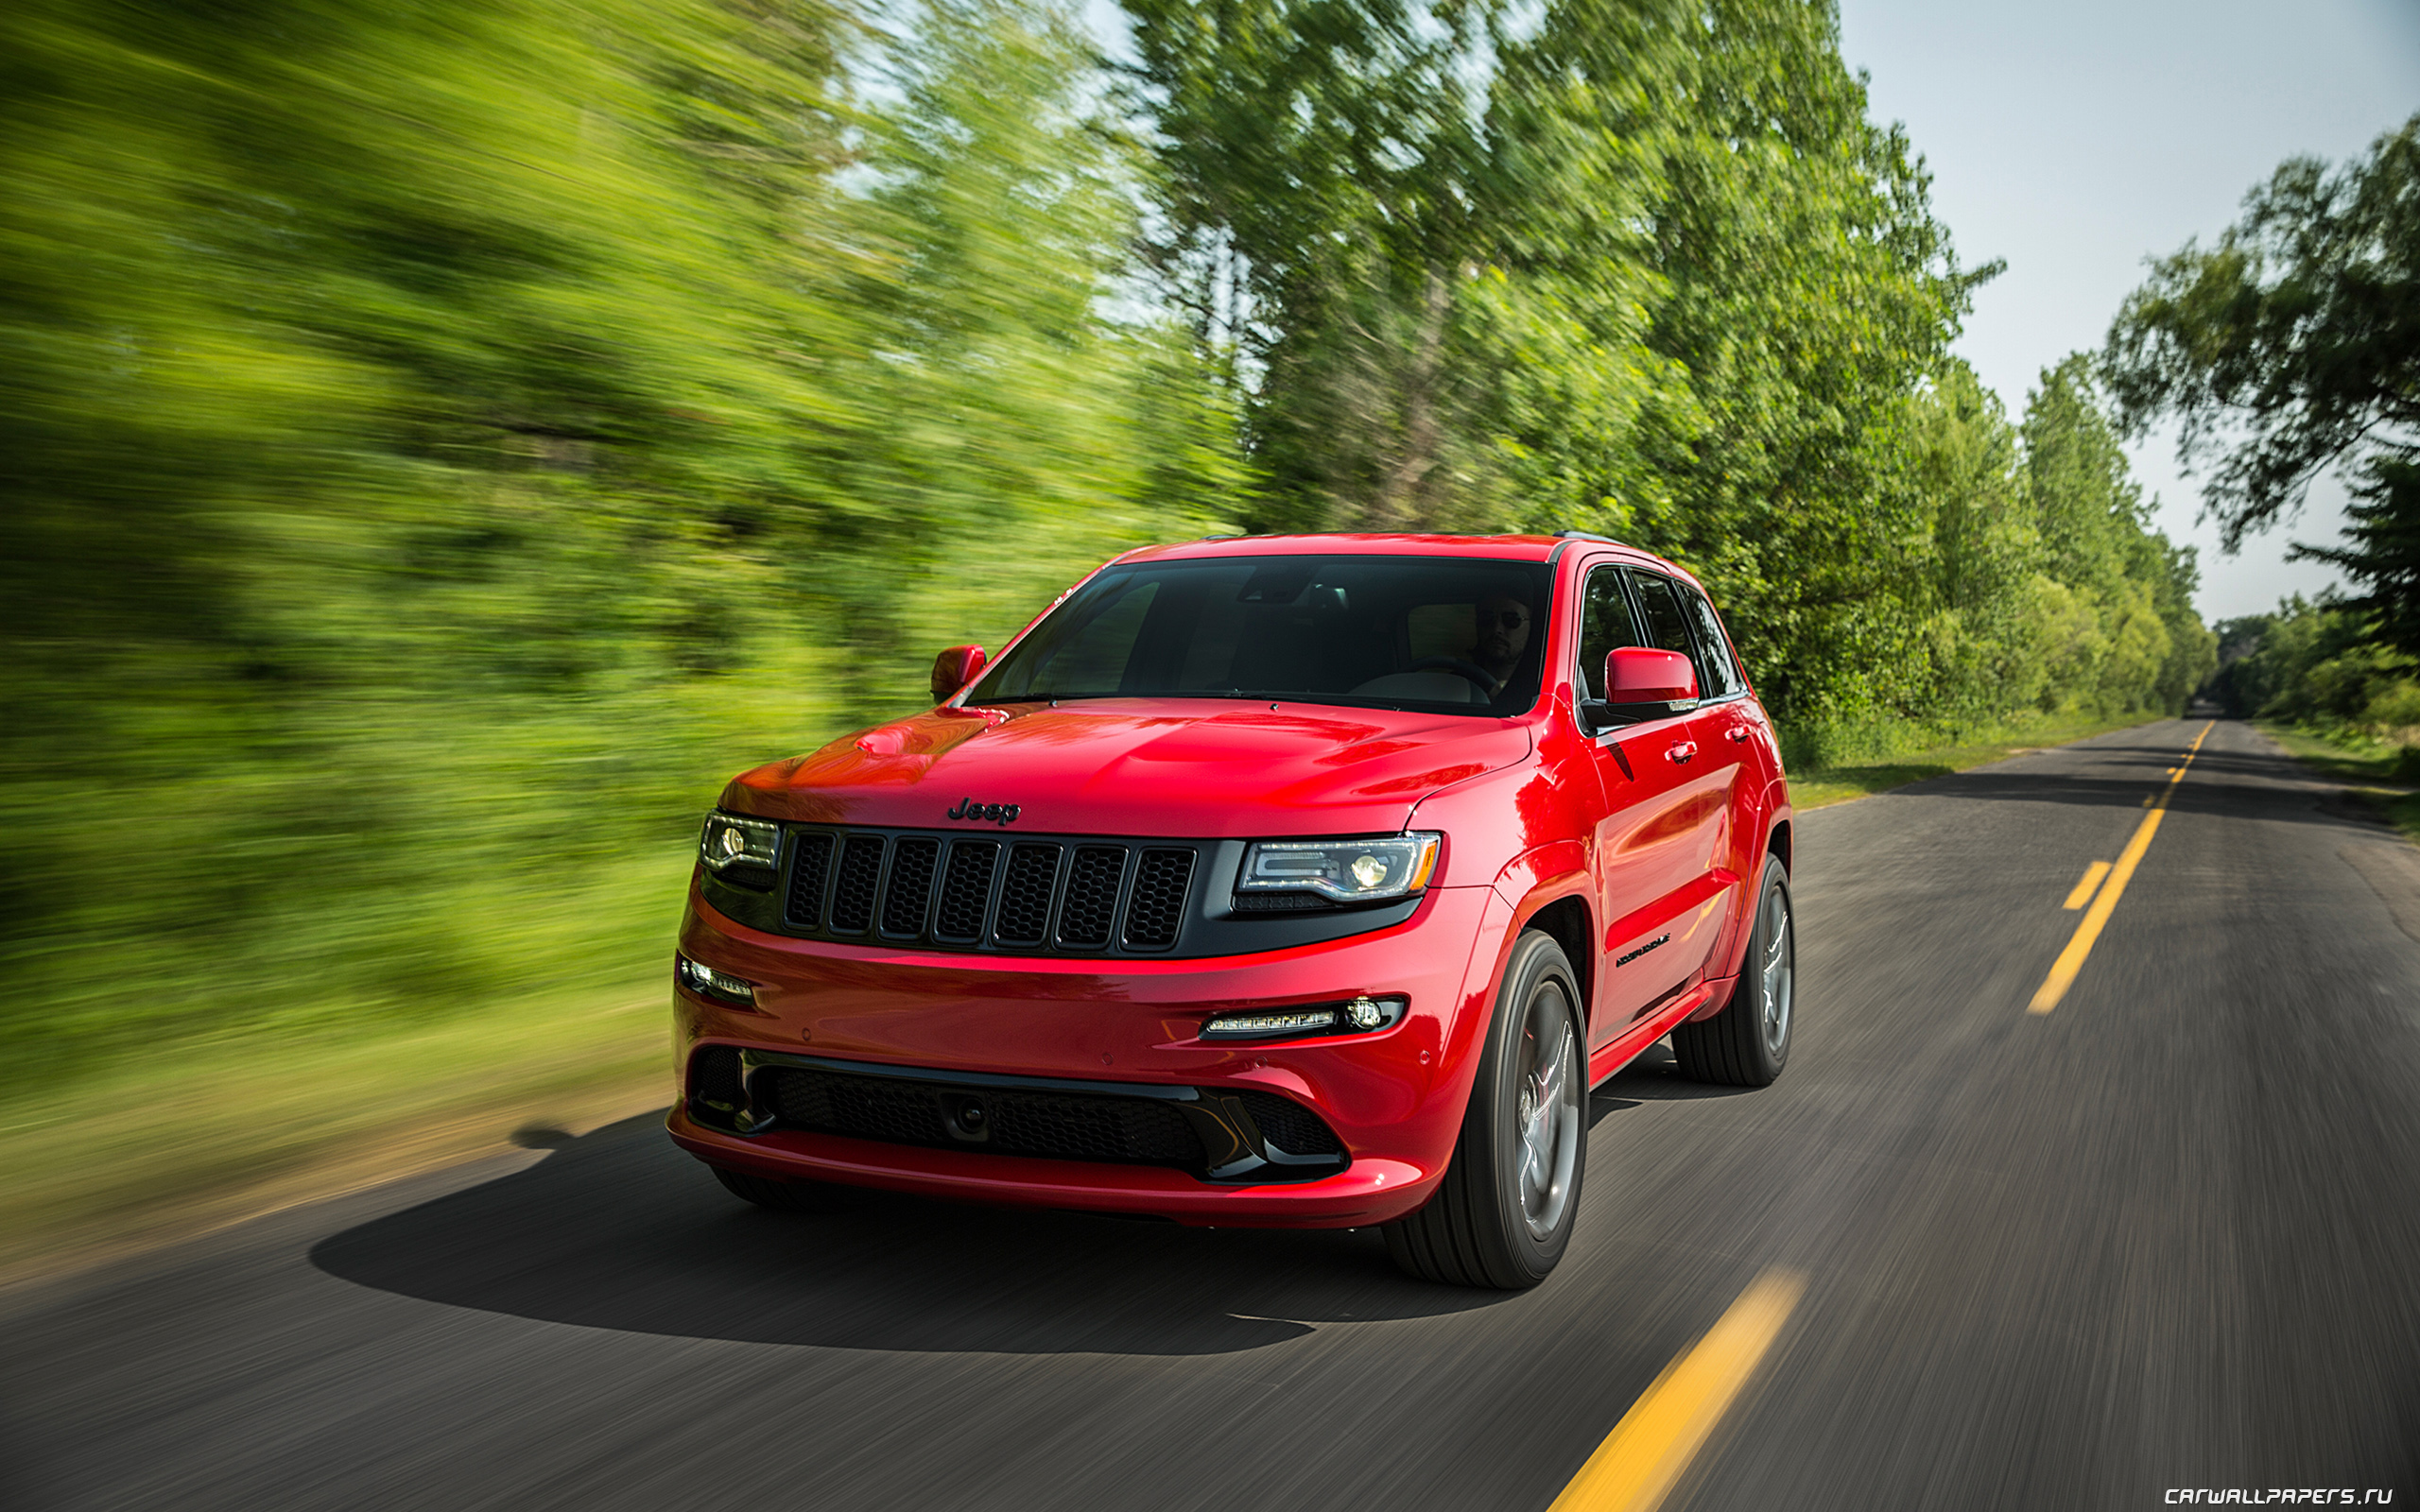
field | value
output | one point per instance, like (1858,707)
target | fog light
(1359,1016)
(708,983)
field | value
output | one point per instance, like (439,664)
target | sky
(2077,139)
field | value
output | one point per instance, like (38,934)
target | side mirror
(956,667)
(1642,683)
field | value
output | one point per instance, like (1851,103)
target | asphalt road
(2166,1235)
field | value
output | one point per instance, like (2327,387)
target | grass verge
(2373,771)
(152,1153)
(1909,759)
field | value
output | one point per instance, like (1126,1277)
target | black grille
(852,898)
(965,888)
(866,1107)
(1091,895)
(714,1090)
(1092,1128)
(911,888)
(1127,1130)
(1156,910)
(983,892)
(810,869)
(1024,895)
(1290,1126)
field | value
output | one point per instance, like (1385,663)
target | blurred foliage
(444,439)
(440,440)
(2321,666)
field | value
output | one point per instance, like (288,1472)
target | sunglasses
(1511,619)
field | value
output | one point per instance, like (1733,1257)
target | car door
(1645,855)
(1737,736)
(1667,889)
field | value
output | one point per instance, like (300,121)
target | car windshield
(1448,634)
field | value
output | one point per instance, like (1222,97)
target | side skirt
(1621,1051)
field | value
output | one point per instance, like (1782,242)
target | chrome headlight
(1344,871)
(729,841)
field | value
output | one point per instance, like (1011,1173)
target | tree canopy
(2292,346)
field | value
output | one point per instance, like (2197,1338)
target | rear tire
(1746,1044)
(1503,1214)
(771,1191)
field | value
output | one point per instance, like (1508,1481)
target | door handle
(1683,751)
(1737,733)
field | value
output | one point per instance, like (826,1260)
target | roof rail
(1587,535)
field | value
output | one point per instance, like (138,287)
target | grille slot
(911,888)
(966,886)
(1290,1126)
(1091,895)
(1048,1126)
(810,870)
(852,898)
(1156,911)
(1024,895)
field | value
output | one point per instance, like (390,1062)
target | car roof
(1507,548)
(1503,548)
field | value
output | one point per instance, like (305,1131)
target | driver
(1502,635)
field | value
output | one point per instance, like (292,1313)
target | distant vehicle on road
(1286,880)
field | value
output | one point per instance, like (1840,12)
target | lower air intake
(1290,1126)
(716,1093)
(1050,1125)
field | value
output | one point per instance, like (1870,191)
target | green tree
(2292,346)
(1624,265)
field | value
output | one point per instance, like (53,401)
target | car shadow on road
(618,1230)
(1653,1077)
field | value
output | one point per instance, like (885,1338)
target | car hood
(1192,768)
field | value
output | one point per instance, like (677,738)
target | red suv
(1281,879)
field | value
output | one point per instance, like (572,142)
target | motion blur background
(441,440)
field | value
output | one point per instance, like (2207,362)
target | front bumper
(1393,1097)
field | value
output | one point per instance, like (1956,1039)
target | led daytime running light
(1362,1015)
(708,983)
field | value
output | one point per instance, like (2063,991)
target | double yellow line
(2070,961)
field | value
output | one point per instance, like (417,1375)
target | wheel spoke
(1546,1123)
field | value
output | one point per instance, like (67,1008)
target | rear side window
(1667,629)
(1660,600)
(1606,624)
(1716,670)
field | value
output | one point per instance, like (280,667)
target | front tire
(1502,1217)
(1748,1042)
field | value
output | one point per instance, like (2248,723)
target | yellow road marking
(1638,1464)
(2070,961)
(2082,895)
